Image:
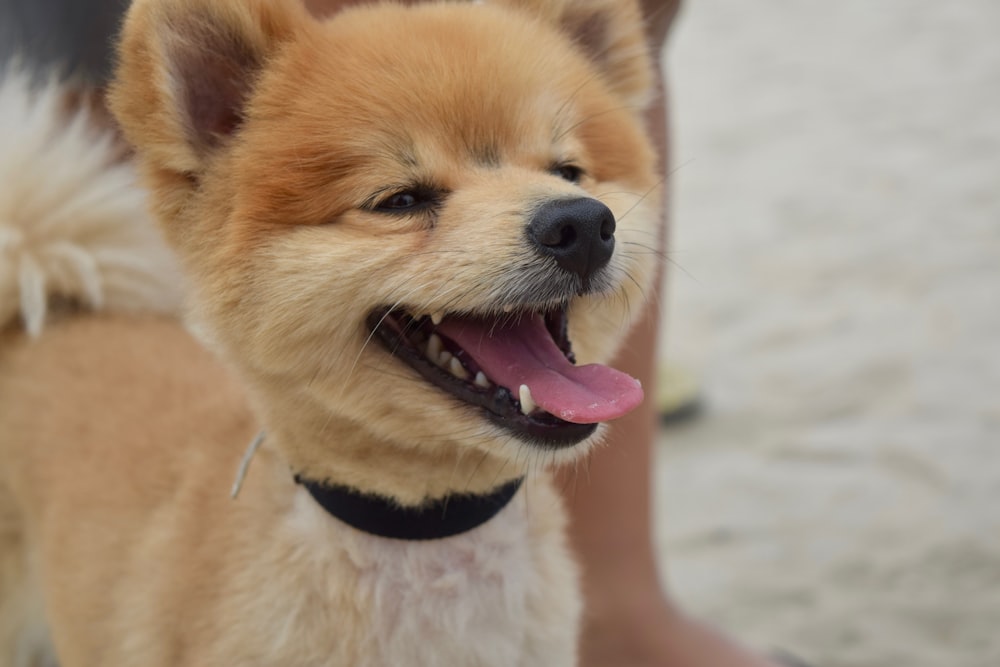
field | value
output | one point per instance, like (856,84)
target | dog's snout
(578,233)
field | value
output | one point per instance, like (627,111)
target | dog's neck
(334,451)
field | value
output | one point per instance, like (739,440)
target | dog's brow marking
(486,155)
(407,156)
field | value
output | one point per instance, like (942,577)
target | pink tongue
(524,353)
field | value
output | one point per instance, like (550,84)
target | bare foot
(651,634)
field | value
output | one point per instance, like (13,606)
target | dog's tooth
(444,359)
(508,309)
(481,380)
(527,403)
(434,347)
(457,369)
(436,318)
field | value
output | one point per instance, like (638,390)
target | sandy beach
(835,286)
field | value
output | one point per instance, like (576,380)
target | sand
(835,285)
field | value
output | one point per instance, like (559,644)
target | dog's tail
(74,228)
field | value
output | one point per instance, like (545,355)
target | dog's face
(413,217)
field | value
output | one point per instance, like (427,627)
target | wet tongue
(524,353)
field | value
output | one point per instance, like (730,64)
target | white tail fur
(73,221)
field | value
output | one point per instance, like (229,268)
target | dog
(406,237)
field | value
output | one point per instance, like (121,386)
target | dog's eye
(401,200)
(568,172)
(407,200)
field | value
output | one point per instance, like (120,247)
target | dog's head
(410,219)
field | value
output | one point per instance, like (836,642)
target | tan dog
(399,226)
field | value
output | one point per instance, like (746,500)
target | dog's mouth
(518,367)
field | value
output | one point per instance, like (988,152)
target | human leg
(630,620)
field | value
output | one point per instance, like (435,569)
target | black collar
(433,520)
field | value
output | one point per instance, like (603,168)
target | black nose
(578,233)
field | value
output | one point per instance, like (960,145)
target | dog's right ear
(610,33)
(186,69)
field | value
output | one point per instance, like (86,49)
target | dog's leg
(23,631)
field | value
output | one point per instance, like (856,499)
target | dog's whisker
(475,470)
(371,334)
(583,121)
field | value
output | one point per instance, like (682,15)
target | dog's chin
(488,362)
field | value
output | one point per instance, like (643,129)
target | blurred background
(835,287)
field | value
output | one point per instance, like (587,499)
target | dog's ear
(611,33)
(185,71)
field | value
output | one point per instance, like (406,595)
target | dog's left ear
(611,33)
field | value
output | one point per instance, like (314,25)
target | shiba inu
(409,236)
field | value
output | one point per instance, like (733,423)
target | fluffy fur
(264,137)
(74,226)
